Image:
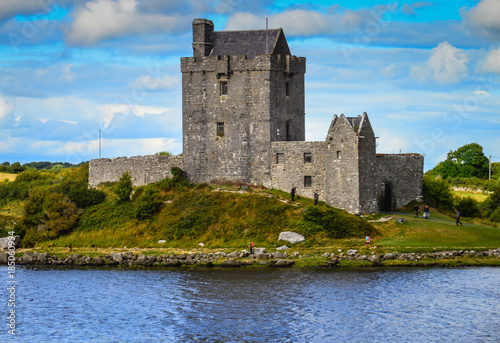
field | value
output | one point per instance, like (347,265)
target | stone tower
(241,91)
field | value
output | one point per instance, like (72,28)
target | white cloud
(104,19)
(149,82)
(299,22)
(491,63)
(5,108)
(485,17)
(446,65)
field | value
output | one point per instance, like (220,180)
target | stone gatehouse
(243,113)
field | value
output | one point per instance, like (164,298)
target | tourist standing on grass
(292,193)
(368,241)
(416,211)
(457,215)
(316,197)
(427,212)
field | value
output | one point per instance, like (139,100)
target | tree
(437,192)
(467,161)
(124,188)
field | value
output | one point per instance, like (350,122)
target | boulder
(388,256)
(283,263)
(400,220)
(162,241)
(291,237)
(230,263)
(283,247)
(201,244)
(352,252)
(4,242)
(3,258)
(258,251)
(116,257)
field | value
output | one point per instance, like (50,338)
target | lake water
(253,305)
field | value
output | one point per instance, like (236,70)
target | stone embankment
(243,258)
(378,259)
(222,259)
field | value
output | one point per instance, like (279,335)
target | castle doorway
(386,197)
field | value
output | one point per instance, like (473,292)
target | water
(256,305)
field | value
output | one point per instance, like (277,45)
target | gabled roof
(354,121)
(249,43)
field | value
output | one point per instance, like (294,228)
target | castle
(243,119)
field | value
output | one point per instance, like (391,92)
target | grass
(7,176)
(420,234)
(480,197)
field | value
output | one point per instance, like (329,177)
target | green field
(480,197)
(7,176)
(422,234)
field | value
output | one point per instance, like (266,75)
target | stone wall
(295,168)
(144,169)
(404,174)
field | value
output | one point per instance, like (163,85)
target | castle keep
(243,112)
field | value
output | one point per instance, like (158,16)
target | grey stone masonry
(144,169)
(243,120)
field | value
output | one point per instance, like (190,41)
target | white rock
(162,241)
(291,237)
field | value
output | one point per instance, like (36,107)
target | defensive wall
(144,169)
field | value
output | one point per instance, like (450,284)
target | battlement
(286,63)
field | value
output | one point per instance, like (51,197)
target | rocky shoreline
(243,258)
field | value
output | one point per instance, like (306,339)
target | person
(427,212)
(250,246)
(416,211)
(316,197)
(457,215)
(368,241)
(293,193)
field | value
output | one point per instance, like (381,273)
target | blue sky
(426,72)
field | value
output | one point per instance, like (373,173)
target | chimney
(202,30)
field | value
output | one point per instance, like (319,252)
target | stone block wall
(404,173)
(295,168)
(144,169)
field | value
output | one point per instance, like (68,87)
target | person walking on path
(416,211)
(368,241)
(316,197)
(427,212)
(457,215)
(292,193)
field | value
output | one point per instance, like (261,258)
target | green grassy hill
(220,216)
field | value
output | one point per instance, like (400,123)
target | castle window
(220,129)
(287,89)
(280,158)
(339,154)
(223,88)
(308,157)
(307,181)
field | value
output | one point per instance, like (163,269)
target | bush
(468,207)
(123,187)
(177,181)
(492,202)
(146,204)
(84,197)
(495,216)
(437,192)
(28,175)
(334,222)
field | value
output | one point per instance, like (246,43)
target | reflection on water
(255,305)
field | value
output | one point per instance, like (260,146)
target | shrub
(468,207)
(437,192)
(123,187)
(177,181)
(495,216)
(492,202)
(28,175)
(147,204)
(334,222)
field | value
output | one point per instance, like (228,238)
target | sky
(426,72)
